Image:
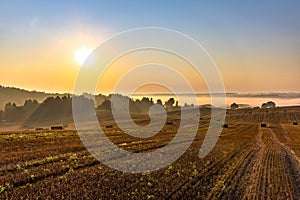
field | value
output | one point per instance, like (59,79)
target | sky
(255,44)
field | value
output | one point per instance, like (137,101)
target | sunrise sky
(255,44)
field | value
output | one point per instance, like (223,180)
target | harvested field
(248,162)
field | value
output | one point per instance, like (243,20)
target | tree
(264,105)
(13,112)
(1,115)
(106,105)
(9,107)
(234,106)
(169,103)
(269,104)
(159,102)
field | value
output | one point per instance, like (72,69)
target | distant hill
(19,96)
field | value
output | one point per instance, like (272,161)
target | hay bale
(263,125)
(225,125)
(169,123)
(56,127)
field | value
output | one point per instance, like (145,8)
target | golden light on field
(81,55)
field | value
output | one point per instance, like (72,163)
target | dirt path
(290,152)
(267,170)
(282,137)
(275,173)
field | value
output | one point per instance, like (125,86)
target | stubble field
(248,162)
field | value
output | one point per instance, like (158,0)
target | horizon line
(240,94)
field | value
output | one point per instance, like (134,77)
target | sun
(82,54)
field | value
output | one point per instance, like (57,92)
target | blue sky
(244,38)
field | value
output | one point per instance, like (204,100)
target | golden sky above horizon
(41,43)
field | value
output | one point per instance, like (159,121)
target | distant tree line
(51,108)
(55,108)
(269,104)
(14,113)
(140,105)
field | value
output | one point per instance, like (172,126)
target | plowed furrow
(273,177)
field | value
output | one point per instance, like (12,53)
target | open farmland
(248,162)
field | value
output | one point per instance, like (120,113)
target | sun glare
(81,54)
